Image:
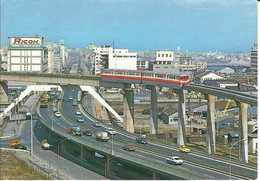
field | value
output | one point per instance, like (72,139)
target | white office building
(107,57)
(122,59)
(26,54)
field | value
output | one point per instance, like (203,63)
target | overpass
(211,94)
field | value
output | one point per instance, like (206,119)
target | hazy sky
(194,25)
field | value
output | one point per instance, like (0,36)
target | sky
(193,25)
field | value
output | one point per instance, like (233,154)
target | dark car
(87,133)
(141,140)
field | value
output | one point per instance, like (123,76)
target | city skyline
(193,25)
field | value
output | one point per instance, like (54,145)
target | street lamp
(230,156)
(58,161)
(32,133)
(112,151)
(106,166)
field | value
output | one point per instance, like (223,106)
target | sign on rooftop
(25,41)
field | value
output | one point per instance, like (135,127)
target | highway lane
(208,160)
(225,166)
(71,164)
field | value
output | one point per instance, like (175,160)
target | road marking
(160,161)
(140,155)
(209,176)
(184,168)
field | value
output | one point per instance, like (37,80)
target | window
(170,55)
(159,55)
(166,55)
(138,62)
(162,55)
(143,63)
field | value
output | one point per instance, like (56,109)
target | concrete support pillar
(156,176)
(129,110)
(181,137)
(243,134)
(210,138)
(3,92)
(153,111)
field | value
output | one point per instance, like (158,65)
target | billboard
(25,42)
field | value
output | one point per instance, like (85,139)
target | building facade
(26,54)
(164,62)
(106,57)
(253,66)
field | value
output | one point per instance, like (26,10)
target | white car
(78,112)
(58,114)
(80,119)
(174,160)
(111,131)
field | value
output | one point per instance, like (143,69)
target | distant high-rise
(254,58)
(62,52)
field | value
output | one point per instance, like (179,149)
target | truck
(102,136)
(15,144)
(45,145)
(75,130)
(47,96)
(43,102)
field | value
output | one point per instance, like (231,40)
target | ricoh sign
(25,42)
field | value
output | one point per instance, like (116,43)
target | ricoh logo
(26,41)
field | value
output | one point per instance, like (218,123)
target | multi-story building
(100,58)
(164,57)
(254,58)
(57,64)
(51,49)
(3,59)
(164,62)
(108,57)
(27,54)
(62,53)
(122,59)
(201,65)
(142,64)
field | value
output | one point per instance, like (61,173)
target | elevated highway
(212,93)
(151,155)
(92,80)
(224,93)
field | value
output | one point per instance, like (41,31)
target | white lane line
(184,168)
(208,176)
(140,155)
(160,161)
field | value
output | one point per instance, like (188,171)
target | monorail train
(144,77)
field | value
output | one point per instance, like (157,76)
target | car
(54,109)
(129,147)
(184,149)
(75,102)
(78,112)
(53,93)
(70,98)
(80,119)
(87,133)
(97,124)
(58,114)
(141,140)
(174,160)
(53,103)
(111,131)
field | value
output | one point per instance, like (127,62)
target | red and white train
(145,77)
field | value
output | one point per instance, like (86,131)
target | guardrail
(225,93)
